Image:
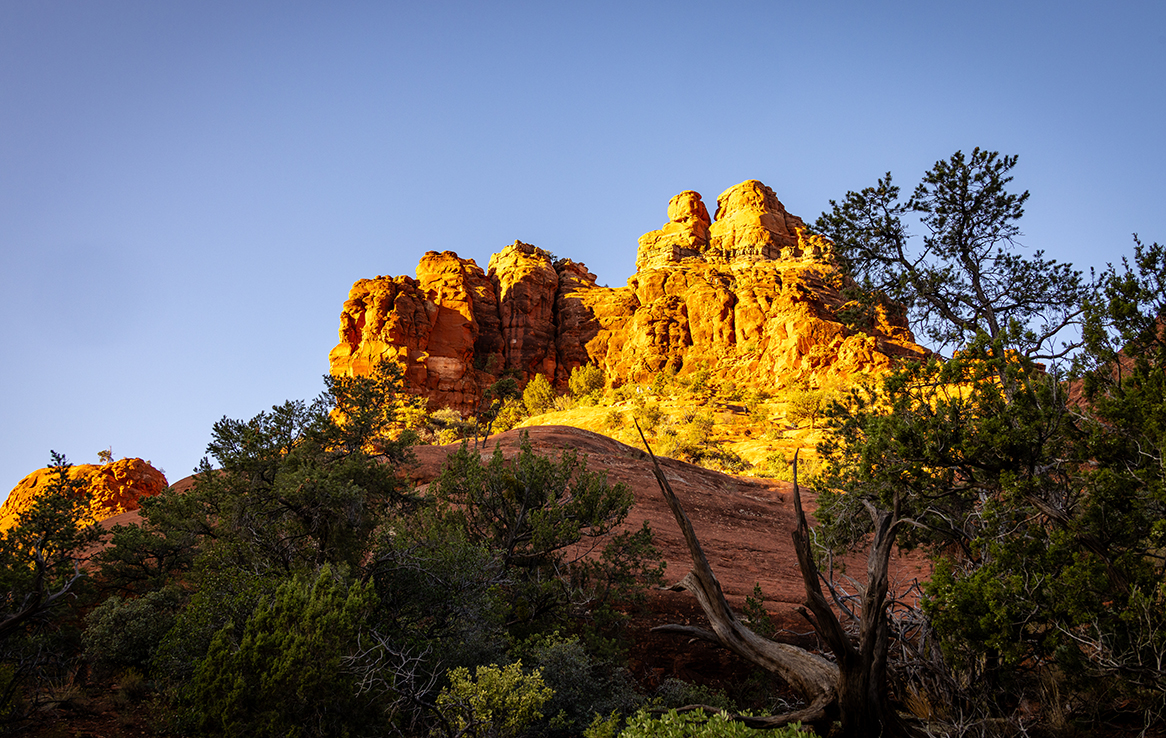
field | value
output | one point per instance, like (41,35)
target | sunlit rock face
(435,327)
(526,283)
(112,488)
(685,235)
(749,295)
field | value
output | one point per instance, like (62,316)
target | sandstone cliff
(747,294)
(112,488)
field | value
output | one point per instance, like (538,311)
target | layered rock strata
(112,489)
(749,295)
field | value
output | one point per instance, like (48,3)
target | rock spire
(749,295)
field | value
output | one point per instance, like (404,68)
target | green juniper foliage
(586,383)
(539,515)
(1040,499)
(539,395)
(285,675)
(964,277)
(297,588)
(42,585)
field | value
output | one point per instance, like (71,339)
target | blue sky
(189,189)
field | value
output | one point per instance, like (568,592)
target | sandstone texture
(748,295)
(744,525)
(112,489)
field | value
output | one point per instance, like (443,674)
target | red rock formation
(435,326)
(112,488)
(526,283)
(749,295)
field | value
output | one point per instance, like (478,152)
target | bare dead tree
(849,693)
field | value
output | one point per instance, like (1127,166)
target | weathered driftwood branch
(862,665)
(851,691)
(812,676)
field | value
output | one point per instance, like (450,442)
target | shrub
(539,395)
(512,413)
(125,633)
(755,398)
(699,382)
(662,385)
(697,724)
(583,685)
(498,702)
(624,392)
(808,404)
(438,594)
(778,465)
(648,416)
(533,511)
(448,425)
(728,390)
(223,598)
(586,382)
(284,677)
(613,420)
(760,621)
(674,693)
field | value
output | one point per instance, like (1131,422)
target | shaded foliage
(543,518)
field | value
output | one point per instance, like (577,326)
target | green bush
(222,599)
(586,382)
(624,392)
(675,693)
(697,725)
(284,677)
(533,511)
(760,621)
(512,413)
(539,395)
(439,595)
(779,465)
(583,685)
(808,405)
(700,383)
(124,634)
(447,425)
(662,385)
(648,416)
(613,419)
(497,702)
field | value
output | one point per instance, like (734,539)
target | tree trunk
(851,692)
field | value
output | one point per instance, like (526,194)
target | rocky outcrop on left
(749,295)
(112,488)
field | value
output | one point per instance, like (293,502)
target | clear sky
(189,189)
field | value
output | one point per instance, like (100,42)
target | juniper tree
(965,275)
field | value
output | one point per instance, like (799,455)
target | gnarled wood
(812,676)
(854,689)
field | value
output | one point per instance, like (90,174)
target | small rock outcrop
(112,488)
(749,295)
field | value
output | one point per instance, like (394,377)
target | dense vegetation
(301,587)
(1037,488)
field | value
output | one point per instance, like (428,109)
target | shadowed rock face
(749,295)
(112,489)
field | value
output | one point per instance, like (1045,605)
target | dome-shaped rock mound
(112,488)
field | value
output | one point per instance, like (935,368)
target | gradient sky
(189,189)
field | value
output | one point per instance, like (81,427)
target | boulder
(112,488)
